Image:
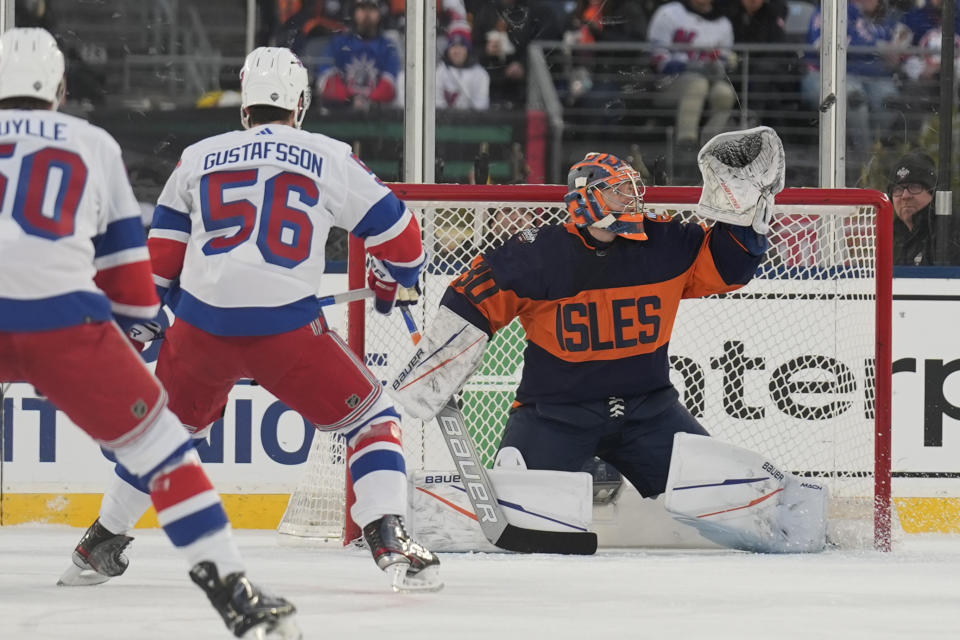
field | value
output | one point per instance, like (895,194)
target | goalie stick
(490,515)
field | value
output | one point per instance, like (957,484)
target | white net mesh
(783,366)
(318,506)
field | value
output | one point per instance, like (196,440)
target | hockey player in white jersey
(73,265)
(237,245)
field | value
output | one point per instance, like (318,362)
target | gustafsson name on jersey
(280,151)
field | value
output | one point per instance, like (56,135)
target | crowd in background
(363,38)
(482,64)
(354,50)
(692,75)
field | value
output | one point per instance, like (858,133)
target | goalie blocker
(445,357)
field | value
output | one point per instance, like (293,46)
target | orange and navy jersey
(598,318)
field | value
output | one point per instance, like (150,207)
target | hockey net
(795,366)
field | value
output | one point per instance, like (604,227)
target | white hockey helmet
(275,77)
(31,66)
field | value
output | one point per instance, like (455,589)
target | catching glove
(742,173)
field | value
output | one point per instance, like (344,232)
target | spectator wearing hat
(461,82)
(912,183)
(364,63)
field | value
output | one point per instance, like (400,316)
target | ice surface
(912,593)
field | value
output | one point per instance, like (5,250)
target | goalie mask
(606,193)
(274,77)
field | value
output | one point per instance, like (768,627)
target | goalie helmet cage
(795,366)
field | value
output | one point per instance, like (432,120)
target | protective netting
(783,366)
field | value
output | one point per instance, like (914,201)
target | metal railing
(625,71)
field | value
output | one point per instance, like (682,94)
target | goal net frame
(796,202)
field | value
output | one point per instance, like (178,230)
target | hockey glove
(384,287)
(408,296)
(742,172)
(144,332)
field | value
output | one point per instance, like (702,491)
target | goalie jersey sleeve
(598,319)
(84,258)
(239,230)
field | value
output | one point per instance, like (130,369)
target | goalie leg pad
(449,352)
(443,519)
(738,499)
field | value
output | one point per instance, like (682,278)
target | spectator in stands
(870,85)
(608,20)
(506,222)
(771,74)
(363,62)
(461,82)
(502,30)
(921,28)
(919,20)
(912,185)
(692,78)
(309,28)
(595,79)
(271,14)
(452,19)
(86,82)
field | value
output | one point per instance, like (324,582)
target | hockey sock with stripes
(378,469)
(191,513)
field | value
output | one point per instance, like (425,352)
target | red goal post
(818,313)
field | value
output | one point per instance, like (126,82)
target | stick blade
(578,543)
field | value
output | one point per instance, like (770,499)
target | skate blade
(425,581)
(284,629)
(76,576)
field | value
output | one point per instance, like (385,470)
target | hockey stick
(411,324)
(479,489)
(346,296)
(362,294)
(490,515)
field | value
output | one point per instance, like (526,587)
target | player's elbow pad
(450,351)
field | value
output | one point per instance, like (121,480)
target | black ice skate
(249,612)
(411,566)
(98,557)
